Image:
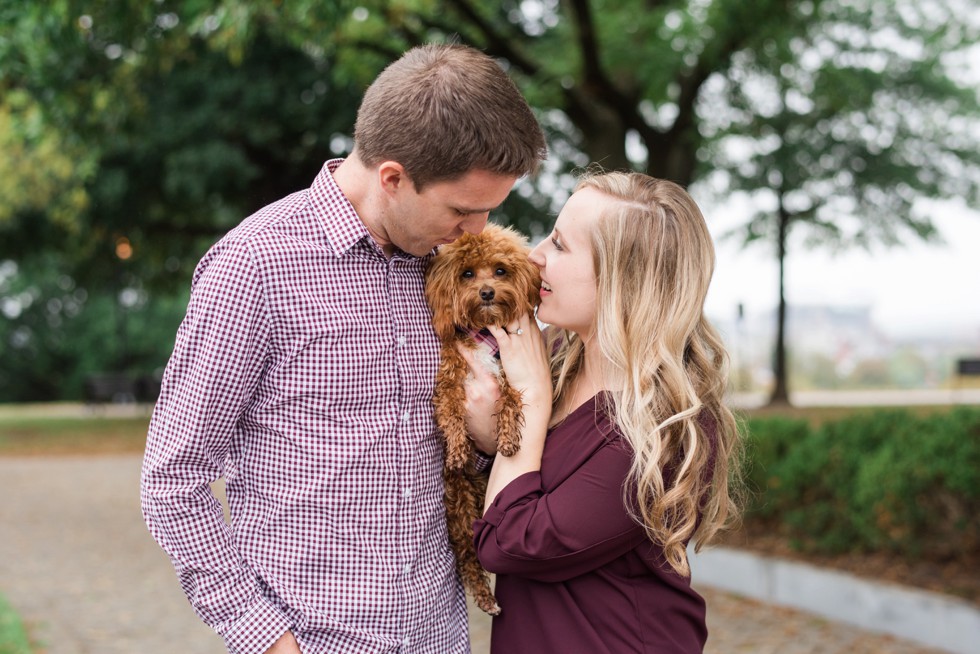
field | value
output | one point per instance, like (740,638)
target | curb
(929,618)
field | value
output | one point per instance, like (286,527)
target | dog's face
(479,280)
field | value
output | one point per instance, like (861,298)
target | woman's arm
(555,535)
(524,359)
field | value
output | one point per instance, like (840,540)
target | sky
(919,290)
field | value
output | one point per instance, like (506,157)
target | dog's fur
(480,280)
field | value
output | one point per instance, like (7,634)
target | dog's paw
(488,605)
(507,448)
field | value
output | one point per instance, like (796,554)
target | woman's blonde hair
(654,259)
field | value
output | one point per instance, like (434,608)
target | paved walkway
(80,567)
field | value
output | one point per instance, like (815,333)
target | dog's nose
(486,293)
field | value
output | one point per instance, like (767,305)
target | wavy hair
(654,258)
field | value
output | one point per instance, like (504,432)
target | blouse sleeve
(579,526)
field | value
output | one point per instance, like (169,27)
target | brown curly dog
(483,279)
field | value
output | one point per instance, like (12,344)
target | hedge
(885,480)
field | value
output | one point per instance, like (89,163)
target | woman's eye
(557,244)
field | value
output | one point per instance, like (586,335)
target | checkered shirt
(303,373)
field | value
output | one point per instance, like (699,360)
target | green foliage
(162,124)
(770,441)
(55,333)
(879,481)
(13,637)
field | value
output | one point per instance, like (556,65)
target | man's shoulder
(293,208)
(255,237)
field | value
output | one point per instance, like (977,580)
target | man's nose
(474,223)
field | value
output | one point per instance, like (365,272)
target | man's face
(417,222)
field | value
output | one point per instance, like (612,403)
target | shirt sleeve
(215,367)
(556,535)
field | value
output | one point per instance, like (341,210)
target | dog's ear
(440,291)
(530,279)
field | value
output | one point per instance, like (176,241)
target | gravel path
(78,564)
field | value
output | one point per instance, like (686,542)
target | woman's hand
(525,361)
(482,395)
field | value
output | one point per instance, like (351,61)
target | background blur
(833,144)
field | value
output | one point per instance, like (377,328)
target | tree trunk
(780,391)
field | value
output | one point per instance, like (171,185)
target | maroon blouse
(575,573)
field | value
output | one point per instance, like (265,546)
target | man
(303,374)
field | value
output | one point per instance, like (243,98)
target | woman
(627,448)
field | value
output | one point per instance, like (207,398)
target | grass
(26,431)
(13,636)
(66,435)
(817,415)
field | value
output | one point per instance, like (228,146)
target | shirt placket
(408,443)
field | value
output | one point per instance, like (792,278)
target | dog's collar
(482,337)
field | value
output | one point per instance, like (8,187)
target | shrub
(918,494)
(880,480)
(768,441)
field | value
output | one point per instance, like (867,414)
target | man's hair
(443,110)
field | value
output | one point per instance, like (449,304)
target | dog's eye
(467,274)
(500,272)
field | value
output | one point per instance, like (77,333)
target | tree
(838,128)
(185,116)
(180,134)
(840,115)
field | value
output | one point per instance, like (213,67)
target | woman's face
(568,288)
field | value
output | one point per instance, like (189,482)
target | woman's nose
(536,257)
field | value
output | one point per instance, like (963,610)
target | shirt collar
(344,228)
(340,221)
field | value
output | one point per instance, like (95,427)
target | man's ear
(392,176)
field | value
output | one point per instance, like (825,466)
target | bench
(968,367)
(109,387)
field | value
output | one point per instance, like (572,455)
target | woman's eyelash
(556,243)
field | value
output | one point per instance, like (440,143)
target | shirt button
(406,642)
(407,568)
(407,493)
(406,416)
(402,340)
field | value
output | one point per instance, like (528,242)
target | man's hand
(482,396)
(285,645)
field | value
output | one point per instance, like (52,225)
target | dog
(479,280)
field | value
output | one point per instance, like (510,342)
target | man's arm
(214,369)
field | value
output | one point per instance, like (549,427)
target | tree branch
(498,44)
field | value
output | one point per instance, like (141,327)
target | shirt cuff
(257,630)
(518,489)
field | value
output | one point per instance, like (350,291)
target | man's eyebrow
(470,211)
